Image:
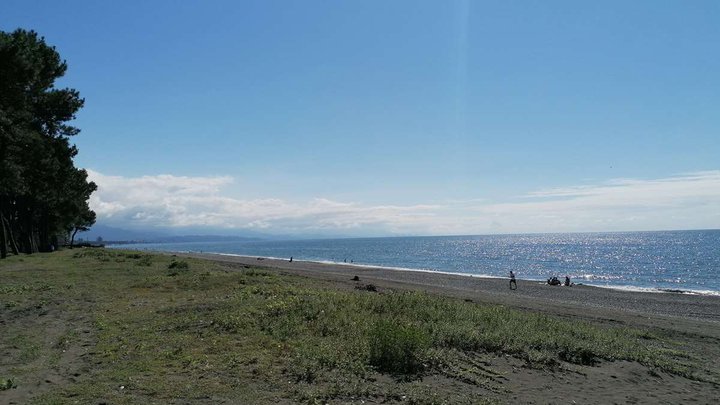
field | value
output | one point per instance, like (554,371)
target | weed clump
(397,348)
(6,384)
(144,261)
(180,265)
(367,287)
(177,266)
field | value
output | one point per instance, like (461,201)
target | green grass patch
(7,383)
(177,266)
(397,348)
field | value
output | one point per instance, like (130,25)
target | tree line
(43,196)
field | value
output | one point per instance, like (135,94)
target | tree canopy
(43,196)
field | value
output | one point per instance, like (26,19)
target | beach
(114,326)
(692,319)
(647,308)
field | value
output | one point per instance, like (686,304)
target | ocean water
(678,261)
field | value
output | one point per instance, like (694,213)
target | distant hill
(186,234)
(204,238)
(112,234)
(117,234)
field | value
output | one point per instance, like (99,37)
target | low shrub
(144,261)
(180,265)
(177,266)
(397,348)
(6,384)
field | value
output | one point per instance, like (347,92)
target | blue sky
(394,117)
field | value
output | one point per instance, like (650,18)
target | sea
(667,261)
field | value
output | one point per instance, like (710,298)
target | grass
(176,267)
(6,384)
(160,329)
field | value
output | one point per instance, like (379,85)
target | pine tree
(42,193)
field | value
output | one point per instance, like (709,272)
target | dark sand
(692,320)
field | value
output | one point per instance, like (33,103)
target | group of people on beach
(551,281)
(554,281)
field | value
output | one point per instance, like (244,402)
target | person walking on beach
(512,281)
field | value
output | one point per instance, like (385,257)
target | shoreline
(630,288)
(627,288)
(688,312)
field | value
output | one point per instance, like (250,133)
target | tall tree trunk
(3,237)
(72,239)
(44,233)
(11,237)
(32,241)
(20,223)
(31,236)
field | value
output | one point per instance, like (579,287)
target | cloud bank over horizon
(684,201)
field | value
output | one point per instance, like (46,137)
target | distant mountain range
(189,234)
(112,234)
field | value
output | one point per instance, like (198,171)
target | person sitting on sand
(567,281)
(512,281)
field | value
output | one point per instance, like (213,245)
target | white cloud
(680,202)
(172,201)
